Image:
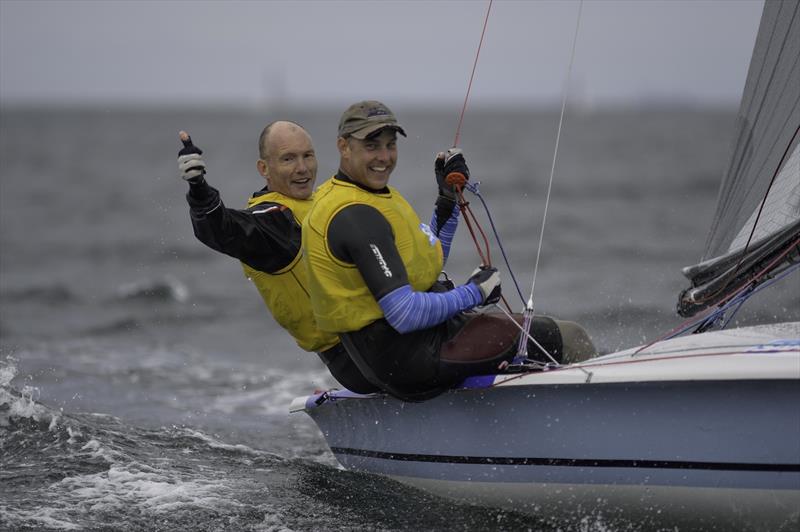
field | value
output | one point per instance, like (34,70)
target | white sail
(769,116)
(781,208)
(756,225)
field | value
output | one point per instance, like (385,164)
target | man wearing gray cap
(373,269)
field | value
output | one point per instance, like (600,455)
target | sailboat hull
(702,424)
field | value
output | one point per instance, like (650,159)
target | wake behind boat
(702,429)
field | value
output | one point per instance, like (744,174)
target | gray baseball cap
(363,119)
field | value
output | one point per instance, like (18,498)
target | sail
(757,221)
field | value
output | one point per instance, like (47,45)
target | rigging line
(472,75)
(739,304)
(766,195)
(723,305)
(755,222)
(475,189)
(524,333)
(691,322)
(486,260)
(522,346)
(747,294)
(555,153)
(738,301)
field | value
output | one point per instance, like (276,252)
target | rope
(711,314)
(526,335)
(458,180)
(485,261)
(522,346)
(750,291)
(755,222)
(555,153)
(474,188)
(471,76)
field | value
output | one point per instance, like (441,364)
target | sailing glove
(190,161)
(450,162)
(487,279)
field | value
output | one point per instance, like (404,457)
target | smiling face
(369,162)
(288,160)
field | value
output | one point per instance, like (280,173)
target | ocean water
(143,385)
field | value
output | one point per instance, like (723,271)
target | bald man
(266,237)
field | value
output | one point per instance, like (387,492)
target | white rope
(529,307)
(526,334)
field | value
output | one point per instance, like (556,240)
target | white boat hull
(697,427)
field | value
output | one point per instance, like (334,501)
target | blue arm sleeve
(444,224)
(407,310)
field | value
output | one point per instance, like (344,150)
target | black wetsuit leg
(344,370)
(404,365)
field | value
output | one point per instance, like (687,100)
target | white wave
(271,393)
(216,444)
(74,434)
(41,516)
(8,370)
(271,523)
(23,405)
(150,490)
(167,288)
(97,449)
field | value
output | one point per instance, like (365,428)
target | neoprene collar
(341,176)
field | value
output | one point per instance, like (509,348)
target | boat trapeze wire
(526,335)
(522,347)
(459,181)
(472,75)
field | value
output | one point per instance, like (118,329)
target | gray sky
(250,52)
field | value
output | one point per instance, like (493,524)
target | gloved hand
(190,161)
(450,162)
(487,279)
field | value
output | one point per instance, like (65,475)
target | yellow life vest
(339,296)
(285,292)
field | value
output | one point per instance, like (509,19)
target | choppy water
(143,385)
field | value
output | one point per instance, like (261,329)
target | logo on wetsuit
(381,261)
(427,230)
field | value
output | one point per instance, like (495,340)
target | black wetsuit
(410,360)
(407,365)
(354,228)
(267,240)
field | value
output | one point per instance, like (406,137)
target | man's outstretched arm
(266,237)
